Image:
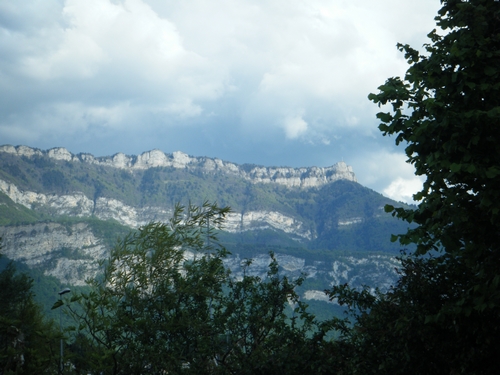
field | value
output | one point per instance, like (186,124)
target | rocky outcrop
(107,208)
(375,270)
(70,253)
(371,270)
(255,220)
(76,204)
(290,177)
(21,150)
(350,221)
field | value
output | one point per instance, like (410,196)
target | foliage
(167,303)
(44,288)
(400,325)
(443,315)
(54,181)
(260,337)
(11,212)
(28,341)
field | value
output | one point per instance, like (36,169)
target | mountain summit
(291,177)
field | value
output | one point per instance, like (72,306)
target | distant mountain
(61,212)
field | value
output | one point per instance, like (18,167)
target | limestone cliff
(107,208)
(78,204)
(291,177)
(71,253)
(316,209)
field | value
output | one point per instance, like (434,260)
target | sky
(273,83)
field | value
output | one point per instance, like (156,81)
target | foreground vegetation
(165,304)
(443,317)
(28,341)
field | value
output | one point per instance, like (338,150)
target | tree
(443,316)
(28,342)
(167,304)
(263,335)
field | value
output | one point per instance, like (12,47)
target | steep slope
(61,213)
(314,205)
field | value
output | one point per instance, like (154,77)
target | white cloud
(319,55)
(78,56)
(65,119)
(125,44)
(183,108)
(99,32)
(389,173)
(257,73)
(294,126)
(403,189)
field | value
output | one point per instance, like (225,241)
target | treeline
(165,303)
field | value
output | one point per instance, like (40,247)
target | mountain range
(60,213)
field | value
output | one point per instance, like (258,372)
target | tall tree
(28,342)
(443,316)
(167,304)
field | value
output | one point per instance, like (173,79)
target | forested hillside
(61,214)
(338,214)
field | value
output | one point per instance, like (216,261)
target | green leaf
(430,319)
(384,117)
(388,208)
(492,172)
(490,71)
(57,304)
(495,282)
(471,168)
(494,112)
(454,167)
(383,128)
(475,140)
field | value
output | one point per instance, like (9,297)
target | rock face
(69,253)
(77,204)
(107,208)
(253,220)
(291,177)
(74,204)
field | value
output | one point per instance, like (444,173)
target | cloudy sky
(274,82)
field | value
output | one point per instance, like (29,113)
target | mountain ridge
(293,177)
(61,213)
(56,182)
